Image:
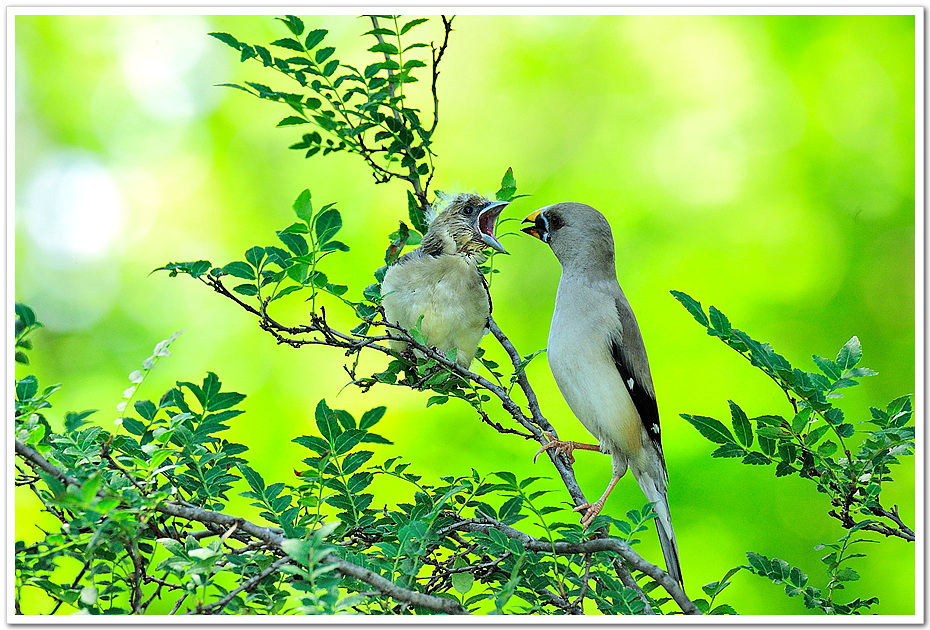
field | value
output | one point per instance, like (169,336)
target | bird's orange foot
(593,509)
(559,446)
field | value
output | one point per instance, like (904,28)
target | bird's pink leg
(593,509)
(564,447)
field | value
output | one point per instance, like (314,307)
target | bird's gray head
(464,226)
(579,236)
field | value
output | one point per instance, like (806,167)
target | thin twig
(246,586)
(584,582)
(623,572)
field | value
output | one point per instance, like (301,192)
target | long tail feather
(655,492)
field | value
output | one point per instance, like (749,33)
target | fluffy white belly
(448,292)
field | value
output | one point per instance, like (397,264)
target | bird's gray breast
(583,323)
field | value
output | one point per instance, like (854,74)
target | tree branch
(267,535)
(614,545)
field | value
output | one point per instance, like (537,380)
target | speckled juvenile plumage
(598,359)
(440,279)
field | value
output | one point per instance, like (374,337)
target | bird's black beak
(486,220)
(539,227)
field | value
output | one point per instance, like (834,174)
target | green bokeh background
(762,164)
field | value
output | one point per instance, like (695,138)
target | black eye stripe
(542,223)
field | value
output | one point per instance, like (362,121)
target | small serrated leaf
(693,306)
(849,355)
(741,426)
(712,429)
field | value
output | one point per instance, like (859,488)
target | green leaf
(294,24)
(834,416)
(415,212)
(462,582)
(303,207)
(693,306)
(756,459)
(328,223)
(255,255)
(322,54)
(26,315)
(294,242)
(828,367)
(246,289)
(849,355)
(845,430)
(145,408)
(314,37)
(719,321)
(409,25)
(240,269)
(334,246)
(292,120)
(254,479)
(741,426)
(508,186)
(289,43)
(26,388)
(710,428)
(729,450)
(371,417)
(800,420)
(227,39)
(384,47)
(437,400)
(846,575)
(826,449)
(327,422)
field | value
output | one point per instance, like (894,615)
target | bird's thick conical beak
(486,220)
(537,229)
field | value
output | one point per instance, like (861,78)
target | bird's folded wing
(629,354)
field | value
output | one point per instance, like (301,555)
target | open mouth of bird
(487,219)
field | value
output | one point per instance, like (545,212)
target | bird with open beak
(599,362)
(440,280)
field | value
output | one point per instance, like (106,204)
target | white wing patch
(630,383)
(655,429)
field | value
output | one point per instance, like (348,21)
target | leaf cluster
(816,440)
(360,110)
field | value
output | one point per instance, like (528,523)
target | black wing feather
(644,402)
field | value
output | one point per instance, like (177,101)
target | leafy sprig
(812,441)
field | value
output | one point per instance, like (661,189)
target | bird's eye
(555,222)
(468,211)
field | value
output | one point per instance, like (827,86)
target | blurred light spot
(856,101)
(703,60)
(164,65)
(699,159)
(69,298)
(72,208)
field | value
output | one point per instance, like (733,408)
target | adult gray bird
(440,280)
(598,359)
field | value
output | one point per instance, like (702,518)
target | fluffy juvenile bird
(598,359)
(440,279)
